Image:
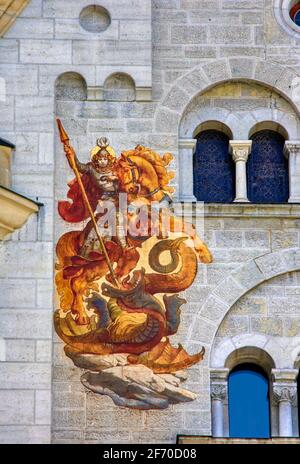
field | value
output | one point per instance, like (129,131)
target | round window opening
(94,18)
(295,14)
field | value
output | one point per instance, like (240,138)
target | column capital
(218,391)
(284,376)
(291,147)
(240,149)
(189,144)
(284,393)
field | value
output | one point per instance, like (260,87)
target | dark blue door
(214,170)
(248,397)
(267,169)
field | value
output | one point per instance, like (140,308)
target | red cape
(76,210)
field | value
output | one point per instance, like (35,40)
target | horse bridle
(134,181)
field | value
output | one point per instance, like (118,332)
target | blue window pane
(267,169)
(213,168)
(297,18)
(249,409)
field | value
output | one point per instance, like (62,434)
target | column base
(241,200)
(294,200)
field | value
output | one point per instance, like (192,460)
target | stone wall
(192,49)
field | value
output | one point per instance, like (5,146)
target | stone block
(291,327)
(167,121)
(112,52)
(217,70)
(18,81)
(243,4)
(45,293)
(27,147)
(221,351)
(164,419)
(43,351)
(188,35)
(176,98)
(199,52)
(16,407)
(18,350)
(33,185)
(257,238)
(33,51)
(214,309)
(248,275)
(103,437)
(249,305)
(229,238)
(287,305)
(284,239)
(119,9)
(135,30)
(36,259)
(26,28)
(43,407)
(119,418)
(17,293)
(203,331)
(70,29)
(7,114)
(217,271)
(68,418)
(9,50)
(198,420)
(272,264)
(241,67)
(66,400)
(233,325)
(20,324)
(22,434)
(252,17)
(231,35)
(33,9)
(34,113)
(35,376)
(267,325)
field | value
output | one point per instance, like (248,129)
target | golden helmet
(103,144)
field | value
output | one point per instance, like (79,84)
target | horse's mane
(158,162)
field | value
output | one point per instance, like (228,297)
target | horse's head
(128,175)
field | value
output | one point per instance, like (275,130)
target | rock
(137,387)
(95,362)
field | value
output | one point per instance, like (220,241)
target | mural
(118,278)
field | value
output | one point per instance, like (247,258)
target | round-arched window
(248,402)
(213,168)
(267,169)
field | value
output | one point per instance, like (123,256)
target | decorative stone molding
(9,11)
(284,393)
(218,391)
(15,210)
(185,167)
(292,153)
(240,150)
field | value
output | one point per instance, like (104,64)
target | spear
(64,138)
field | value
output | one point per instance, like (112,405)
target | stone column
(218,394)
(240,150)
(185,168)
(285,394)
(292,153)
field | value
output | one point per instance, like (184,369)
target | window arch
(248,402)
(213,168)
(267,168)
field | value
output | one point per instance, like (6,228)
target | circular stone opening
(295,14)
(94,18)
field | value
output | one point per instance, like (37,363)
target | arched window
(213,168)
(267,169)
(248,402)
